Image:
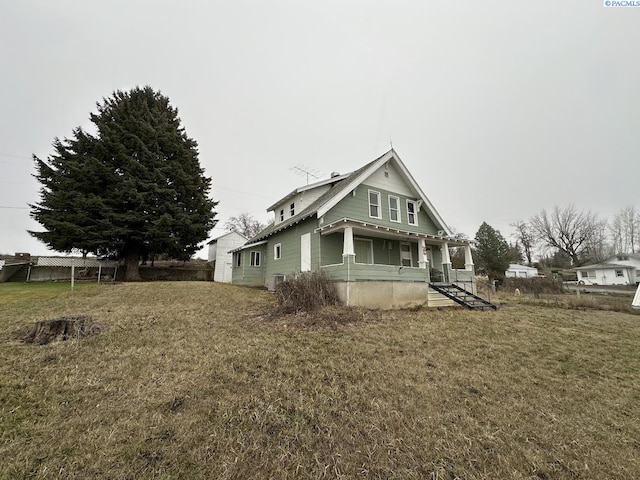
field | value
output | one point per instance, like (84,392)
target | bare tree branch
(568,230)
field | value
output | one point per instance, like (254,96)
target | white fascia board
(354,183)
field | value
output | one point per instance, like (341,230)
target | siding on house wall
(247,275)
(392,182)
(357,208)
(290,242)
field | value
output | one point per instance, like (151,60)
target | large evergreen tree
(492,251)
(133,188)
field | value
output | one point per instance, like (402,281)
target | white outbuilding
(520,271)
(220,256)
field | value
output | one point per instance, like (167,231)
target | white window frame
(282,214)
(619,273)
(292,209)
(397,209)
(408,244)
(255,258)
(277,251)
(588,274)
(378,205)
(237,262)
(414,213)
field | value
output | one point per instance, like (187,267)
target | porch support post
(446,261)
(422,263)
(468,260)
(347,246)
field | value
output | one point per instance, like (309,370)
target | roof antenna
(302,170)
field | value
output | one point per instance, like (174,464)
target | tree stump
(62,328)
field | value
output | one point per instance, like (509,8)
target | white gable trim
(391,155)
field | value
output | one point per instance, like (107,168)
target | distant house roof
(600,266)
(340,187)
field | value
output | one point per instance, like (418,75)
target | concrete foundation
(389,294)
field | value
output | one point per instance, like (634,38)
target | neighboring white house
(520,271)
(220,256)
(620,269)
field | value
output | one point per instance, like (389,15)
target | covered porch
(355,251)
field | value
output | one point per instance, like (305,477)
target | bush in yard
(305,292)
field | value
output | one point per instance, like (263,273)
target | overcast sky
(498,108)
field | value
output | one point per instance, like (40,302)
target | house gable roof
(359,176)
(341,186)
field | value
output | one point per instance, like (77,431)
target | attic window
(282,214)
(292,209)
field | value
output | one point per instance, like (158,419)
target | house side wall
(289,240)
(247,275)
(357,208)
(606,276)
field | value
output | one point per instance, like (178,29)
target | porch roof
(389,232)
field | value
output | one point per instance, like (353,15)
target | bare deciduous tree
(244,224)
(568,230)
(525,235)
(625,230)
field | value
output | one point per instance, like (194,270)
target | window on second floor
(255,259)
(374,204)
(394,209)
(412,213)
(282,214)
(292,209)
(277,251)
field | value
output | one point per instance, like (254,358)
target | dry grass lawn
(192,381)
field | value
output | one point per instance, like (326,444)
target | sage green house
(372,231)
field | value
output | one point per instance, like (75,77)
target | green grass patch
(11,292)
(198,380)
